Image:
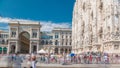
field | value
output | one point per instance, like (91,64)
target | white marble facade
(96,26)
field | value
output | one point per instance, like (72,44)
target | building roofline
(24,23)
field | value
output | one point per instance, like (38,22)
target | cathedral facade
(96,26)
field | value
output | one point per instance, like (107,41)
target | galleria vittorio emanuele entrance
(24,37)
(24,41)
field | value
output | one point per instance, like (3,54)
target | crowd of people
(16,60)
(84,58)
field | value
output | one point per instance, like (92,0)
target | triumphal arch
(24,37)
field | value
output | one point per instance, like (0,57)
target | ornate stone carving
(98,23)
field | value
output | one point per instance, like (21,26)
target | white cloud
(8,20)
(46,25)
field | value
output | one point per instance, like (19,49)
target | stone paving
(77,66)
(71,65)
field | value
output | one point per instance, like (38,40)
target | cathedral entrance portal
(24,42)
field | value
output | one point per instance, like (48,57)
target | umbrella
(52,55)
(41,51)
(72,54)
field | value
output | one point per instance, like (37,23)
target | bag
(36,62)
(31,67)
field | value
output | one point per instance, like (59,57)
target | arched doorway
(34,48)
(12,49)
(24,42)
(56,50)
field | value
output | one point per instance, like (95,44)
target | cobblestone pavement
(77,66)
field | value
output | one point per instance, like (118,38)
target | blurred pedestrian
(33,62)
(29,61)
(90,59)
(17,60)
(105,59)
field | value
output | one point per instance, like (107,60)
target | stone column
(8,48)
(68,50)
(112,48)
(37,46)
(59,39)
(53,39)
(30,50)
(59,50)
(53,50)
(119,17)
(64,50)
(59,42)
(16,47)
(113,19)
(8,51)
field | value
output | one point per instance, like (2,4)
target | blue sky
(48,11)
(45,10)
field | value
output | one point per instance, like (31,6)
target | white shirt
(105,57)
(33,64)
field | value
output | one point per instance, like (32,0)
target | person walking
(33,62)
(28,61)
(17,60)
(105,59)
(90,59)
